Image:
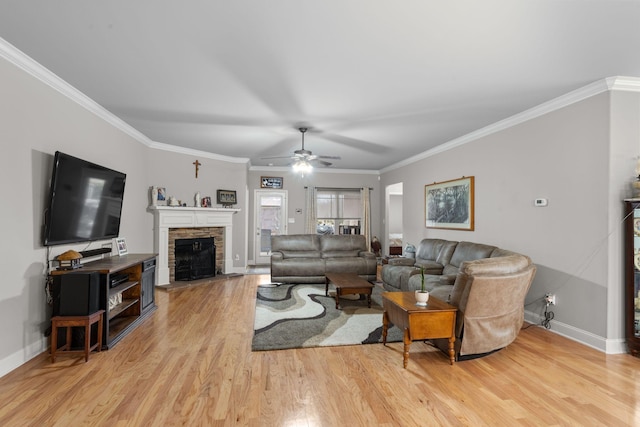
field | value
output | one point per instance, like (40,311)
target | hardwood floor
(191,363)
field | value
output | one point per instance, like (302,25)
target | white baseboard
(608,346)
(22,356)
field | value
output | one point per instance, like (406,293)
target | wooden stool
(69,322)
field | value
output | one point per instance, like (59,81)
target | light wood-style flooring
(191,364)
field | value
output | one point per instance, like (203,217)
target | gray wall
(295,187)
(582,162)
(35,121)
(176,172)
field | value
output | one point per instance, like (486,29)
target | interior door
(270,220)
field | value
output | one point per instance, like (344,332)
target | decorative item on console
(197,202)
(121,245)
(174,202)
(206,202)
(69,260)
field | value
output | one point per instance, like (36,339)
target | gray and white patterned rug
(297,316)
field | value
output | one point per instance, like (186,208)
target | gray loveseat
(305,258)
(487,284)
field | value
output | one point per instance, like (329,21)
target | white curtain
(366,215)
(310,219)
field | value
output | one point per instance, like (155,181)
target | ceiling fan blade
(355,143)
(320,162)
(329,157)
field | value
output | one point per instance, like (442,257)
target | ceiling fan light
(302,167)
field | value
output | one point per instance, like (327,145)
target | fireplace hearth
(195,258)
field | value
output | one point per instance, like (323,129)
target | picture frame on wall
(121,246)
(450,204)
(275,182)
(226,197)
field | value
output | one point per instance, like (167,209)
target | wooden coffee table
(348,284)
(436,320)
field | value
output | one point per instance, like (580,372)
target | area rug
(297,316)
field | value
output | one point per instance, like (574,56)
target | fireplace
(172,223)
(195,258)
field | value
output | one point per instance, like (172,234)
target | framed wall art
(270,182)
(449,204)
(226,197)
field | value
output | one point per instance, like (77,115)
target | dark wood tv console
(128,303)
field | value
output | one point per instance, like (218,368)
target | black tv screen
(85,202)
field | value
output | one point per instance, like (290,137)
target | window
(338,211)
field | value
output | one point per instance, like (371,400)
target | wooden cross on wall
(197,163)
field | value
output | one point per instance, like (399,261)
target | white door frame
(256,229)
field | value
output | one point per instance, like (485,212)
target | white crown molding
(25,63)
(198,153)
(626,84)
(629,84)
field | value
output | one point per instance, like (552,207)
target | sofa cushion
(436,250)
(467,251)
(301,254)
(430,267)
(340,254)
(295,242)
(431,282)
(340,242)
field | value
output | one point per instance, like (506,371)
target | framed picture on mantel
(449,204)
(226,197)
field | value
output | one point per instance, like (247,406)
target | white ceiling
(376,81)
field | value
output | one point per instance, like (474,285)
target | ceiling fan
(304,160)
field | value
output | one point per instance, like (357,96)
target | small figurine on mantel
(196,200)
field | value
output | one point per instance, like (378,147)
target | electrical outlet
(237,257)
(550,299)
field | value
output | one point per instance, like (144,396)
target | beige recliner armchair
(489,294)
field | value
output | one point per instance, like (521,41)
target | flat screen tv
(85,202)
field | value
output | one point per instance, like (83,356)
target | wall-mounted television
(85,202)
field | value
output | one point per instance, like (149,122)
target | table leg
(385,327)
(452,353)
(337,298)
(326,287)
(407,344)
(369,299)
(87,341)
(54,343)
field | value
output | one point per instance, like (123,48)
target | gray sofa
(305,258)
(487,284)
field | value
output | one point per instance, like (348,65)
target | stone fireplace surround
(182,221)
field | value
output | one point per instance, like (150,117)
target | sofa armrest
(402,261)
(276,256)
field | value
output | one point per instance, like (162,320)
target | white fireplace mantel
(167,217)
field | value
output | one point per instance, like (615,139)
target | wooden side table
(436,320)
(75,321)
